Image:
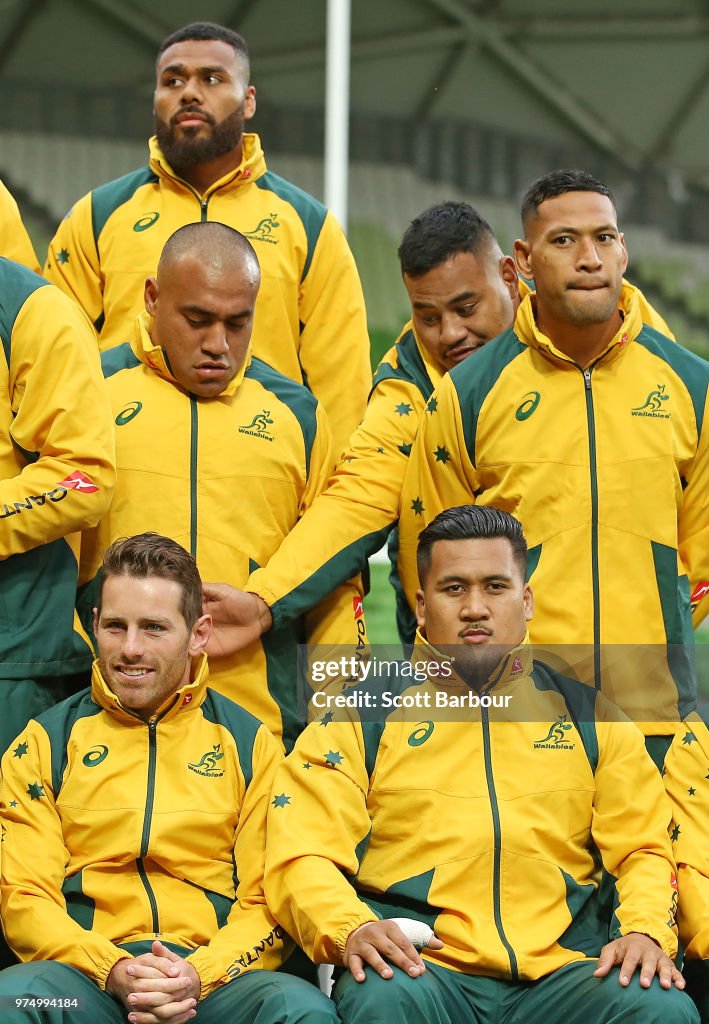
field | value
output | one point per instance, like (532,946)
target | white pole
(337,102)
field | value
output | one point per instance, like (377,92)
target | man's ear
(528,602)
(150,295)
(522,251)
(249,102)
(508,273)
(420,609)
(200,635)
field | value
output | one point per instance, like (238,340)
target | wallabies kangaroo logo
(653,404)
(207,764)
(555,738)
(259,426)
(264,229)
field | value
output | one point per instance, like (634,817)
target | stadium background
(461,99)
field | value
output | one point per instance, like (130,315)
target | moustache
(204,114)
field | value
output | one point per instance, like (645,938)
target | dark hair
(558,183)
(471,522)
(211,237)
(440,232)
(150,554)
(206,30)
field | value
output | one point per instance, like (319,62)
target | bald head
(202,305)
(214,245)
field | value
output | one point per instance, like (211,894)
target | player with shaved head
(217,450)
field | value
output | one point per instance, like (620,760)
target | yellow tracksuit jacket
(686,775)
(57,472)
(117,831)
(310,321)
(227,478)
(15,243)
(350,520)
(608,470)
(527,837)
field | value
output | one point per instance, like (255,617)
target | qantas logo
(700,591)
(357,607)
(78,481)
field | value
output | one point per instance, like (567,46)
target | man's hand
(238,618)
(636,949)
(156,987)
(370,941)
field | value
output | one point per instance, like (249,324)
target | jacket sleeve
(251,939)
(334,344)
(440,475)
(317,817)
(62,426)
(37,925)
(15,243)
(694,524)
(73,261)
(686,774)
(351,518)
(629,826)
(334,619)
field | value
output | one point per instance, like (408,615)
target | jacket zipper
(497,834)
(148,817)
(194,437)
(145,839)
(591,421)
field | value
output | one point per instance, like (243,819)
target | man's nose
(133,644)
(453,329)
(215,342)
(475,606)
(192,90)
(588,257)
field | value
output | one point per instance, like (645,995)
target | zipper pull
(587,379)
(203,208)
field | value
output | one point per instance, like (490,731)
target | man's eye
(193,322)
(154,627)
(563,240)
(212,79)
(172,82)
(429,321)
(605,237)
(466,310)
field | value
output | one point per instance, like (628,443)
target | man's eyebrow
(459,578)
(423,304)
(200,311)
(179,68)
(575,231)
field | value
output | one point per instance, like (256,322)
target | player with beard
(134,826)
(310,321)
(522,844)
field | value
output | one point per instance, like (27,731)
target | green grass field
(379,607)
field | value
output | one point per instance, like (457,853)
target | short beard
(185,153)
(475,665)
